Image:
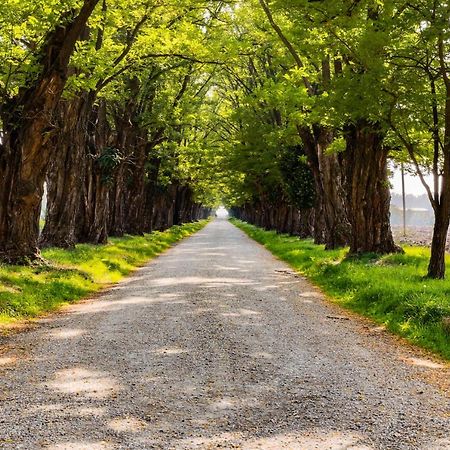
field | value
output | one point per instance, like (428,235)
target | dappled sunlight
(311,294)
(170,351)
(66,333)
(199,311)
(176,281)
(309,440)
(231,314)
(127,424)
(223,404)
(91,411)
(263,355)
(170,295)
(242,313)
(266,287)
(81,381)
(231,269)
(425,363)
(128,301)
(103,445)
(316,440)
(7,360)
(136,300)
(219,441)
(57,409)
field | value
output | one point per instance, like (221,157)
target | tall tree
(26,117)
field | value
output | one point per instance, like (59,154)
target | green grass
(71,275)
(391,290)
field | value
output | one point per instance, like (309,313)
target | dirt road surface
(216,344)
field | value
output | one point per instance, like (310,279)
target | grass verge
(26,292)
(391,290)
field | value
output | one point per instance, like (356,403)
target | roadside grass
(391,290)
(70,275)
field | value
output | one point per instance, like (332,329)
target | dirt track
(217,345)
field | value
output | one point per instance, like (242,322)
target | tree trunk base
(21,259)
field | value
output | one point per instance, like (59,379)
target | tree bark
(66,173)
(135,217)
(332,227)
(94,208)
(436,266)
(151,188)
(367,186)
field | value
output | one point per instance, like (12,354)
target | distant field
(415,236)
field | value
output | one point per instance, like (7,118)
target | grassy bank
(73,274)
(391,289)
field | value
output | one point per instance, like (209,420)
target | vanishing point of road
(217,344)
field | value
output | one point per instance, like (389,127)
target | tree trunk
(180,192)
(151,188)
(367,185)
(24,153)
(436,266)
(135,217)
(332,226)
(66,173)
(164,207)
(116,226)
(305,227)
(94,208)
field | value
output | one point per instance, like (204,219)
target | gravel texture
(216,344)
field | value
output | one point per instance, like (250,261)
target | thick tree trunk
(151,188)
(368,196)
(66,174)
(332,227)
(135,213)
(305,223)
(187,205)
(181,200)
(94,208)
(21,191)
(126,131)
(24,153)
(164,207)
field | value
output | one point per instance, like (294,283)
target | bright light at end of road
(222,213)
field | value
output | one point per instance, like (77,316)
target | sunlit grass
(392,290)
(73,274)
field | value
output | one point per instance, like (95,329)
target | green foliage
(109,159)
(391,290)
(297,178)
(70,275)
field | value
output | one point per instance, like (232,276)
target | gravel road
(216,344)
